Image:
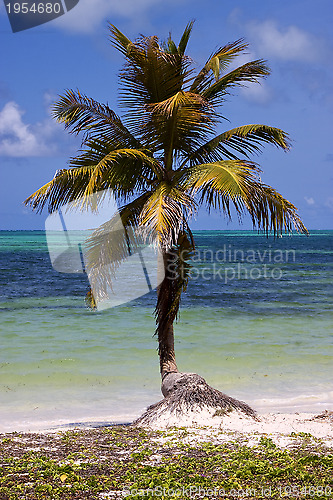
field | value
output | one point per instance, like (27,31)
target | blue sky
(74,52)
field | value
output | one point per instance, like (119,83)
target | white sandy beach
(281,428)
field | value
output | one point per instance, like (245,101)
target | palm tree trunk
(166,351)
(166,311)
(183,392)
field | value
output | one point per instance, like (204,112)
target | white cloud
(87,15)
(16,138)
(310,201)
(260,93)
(20,139)
(289,44)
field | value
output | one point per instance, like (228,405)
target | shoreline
(41,419)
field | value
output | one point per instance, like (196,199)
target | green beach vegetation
(163,161)
(127,462)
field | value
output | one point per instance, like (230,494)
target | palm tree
(163,161)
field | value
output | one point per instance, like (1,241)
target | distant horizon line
(193,231)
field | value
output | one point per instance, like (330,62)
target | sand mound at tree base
(189,400)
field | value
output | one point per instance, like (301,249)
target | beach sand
(277,425)
(204,426)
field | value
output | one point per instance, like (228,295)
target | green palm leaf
(171,48)
(185,38)
(165,213)
(68,185)
(225,183)
(123,171)
(119,41)
(221,183)
(244,140)
(249,72)
(80,113)
(149,79)
(217,63)
(271,212)
(111,242)
(183,122)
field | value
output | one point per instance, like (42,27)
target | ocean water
(256,322)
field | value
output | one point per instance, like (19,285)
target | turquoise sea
(256,322)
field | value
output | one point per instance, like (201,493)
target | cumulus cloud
(289,44)
(310,201)
(16,138)
(88,14)
(21,139)
(258,93)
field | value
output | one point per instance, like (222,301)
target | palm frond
(182,123)
(237,183)
(249,72)
(217,63)
(270,211)
(128,164)
(181,99)
(220,183)
(114,240)
(119,41)
(169,46)
(165,213)
(80,113)
(156,78)
(112,243)
(123,171)
(68,185)
(185,38)
(244,140)
(104,251)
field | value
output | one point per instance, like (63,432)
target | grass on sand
(115,461)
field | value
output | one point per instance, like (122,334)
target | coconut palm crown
(163,160)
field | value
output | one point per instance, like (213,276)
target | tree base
(190,400)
